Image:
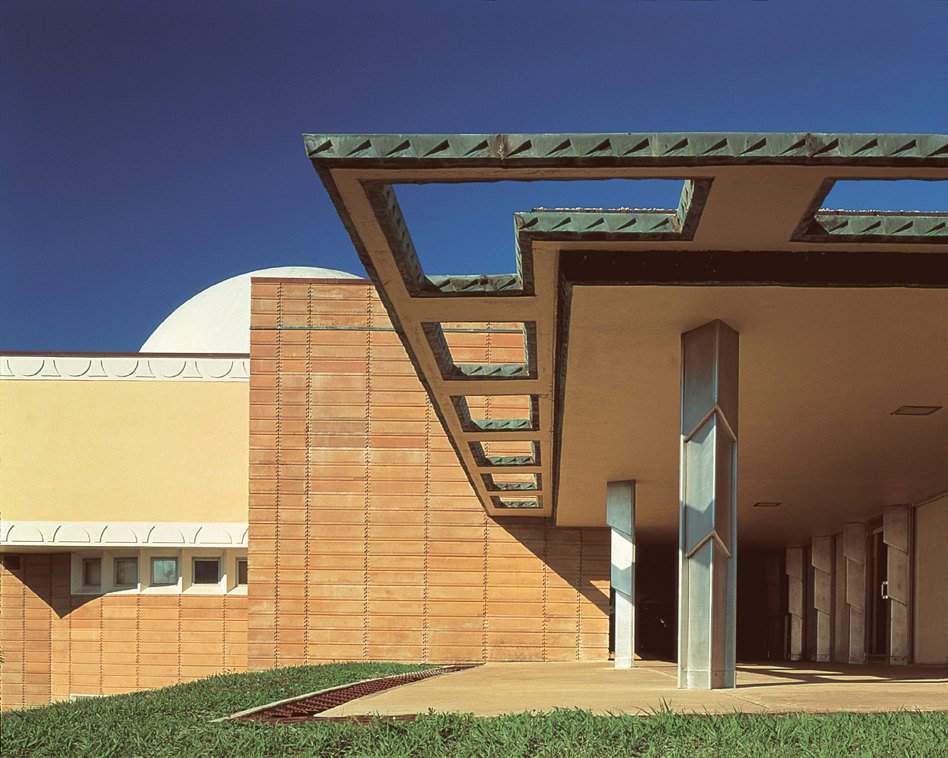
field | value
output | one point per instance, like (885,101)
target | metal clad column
(854,549)
(896,534)
(821,558)
(796,576)
(707,580)
(620,515)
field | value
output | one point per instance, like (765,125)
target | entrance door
(877,619)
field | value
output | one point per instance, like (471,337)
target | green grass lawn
(174,721)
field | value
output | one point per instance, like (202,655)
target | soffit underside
(742,193)
(821,371)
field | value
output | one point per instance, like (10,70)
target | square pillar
(821,558)
(707,579)
(796,576)
(620,516)
(854,550)
(840,609)
(896,533)
(775,617)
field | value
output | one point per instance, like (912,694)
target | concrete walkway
(498,688)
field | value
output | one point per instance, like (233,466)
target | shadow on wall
(579,556)
(47,577)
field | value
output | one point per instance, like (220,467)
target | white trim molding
(184,583)
(125,368)
(111,534)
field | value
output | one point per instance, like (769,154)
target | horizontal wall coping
(125,367)
(115,534)
(305,280)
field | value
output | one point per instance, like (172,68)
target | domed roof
(217,320)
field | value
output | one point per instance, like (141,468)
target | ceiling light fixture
(916,410)
(766,504)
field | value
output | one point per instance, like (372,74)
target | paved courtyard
(497,688)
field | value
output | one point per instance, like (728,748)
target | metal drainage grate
(308,707)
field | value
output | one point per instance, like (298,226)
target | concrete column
(821,558)
(854,550)
(707,580)
(620,516)
(896,533)
(840,609)
(796,576)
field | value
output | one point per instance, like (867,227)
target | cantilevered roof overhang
(749,220)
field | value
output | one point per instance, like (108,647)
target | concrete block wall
(366,539)
(55,644)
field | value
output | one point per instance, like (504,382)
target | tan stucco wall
(123,450)
(931,582)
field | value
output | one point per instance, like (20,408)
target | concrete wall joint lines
(138,640)
(278,460)
(307,485)
(366,518)
(426,622)
(404,562)
(545,619)
(485,579)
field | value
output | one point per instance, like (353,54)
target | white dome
(217,320)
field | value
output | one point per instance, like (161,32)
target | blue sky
(150,149)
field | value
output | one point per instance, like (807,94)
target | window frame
(83,562)
(119,586)
(184,558)
(194,562)
(151,570)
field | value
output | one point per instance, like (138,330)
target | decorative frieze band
(125,368)
(88,534)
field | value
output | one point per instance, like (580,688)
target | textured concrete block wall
(55,644)
(366,539)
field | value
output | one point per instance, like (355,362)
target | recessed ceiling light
(916,410)
(766,504)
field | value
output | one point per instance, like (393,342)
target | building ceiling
(821,371)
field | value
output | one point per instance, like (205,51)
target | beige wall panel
(399,560)
(124,451)
(931,582)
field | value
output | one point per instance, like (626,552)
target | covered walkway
(498,688)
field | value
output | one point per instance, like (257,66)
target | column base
(707,680)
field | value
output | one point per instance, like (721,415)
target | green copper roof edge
(847,226)
(605,224)
(633,148)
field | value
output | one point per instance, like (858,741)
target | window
(126,572)
(91,572)
(207,570)
(201,570)
(164,571)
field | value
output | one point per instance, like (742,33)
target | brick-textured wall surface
(55,644)
(366,539)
